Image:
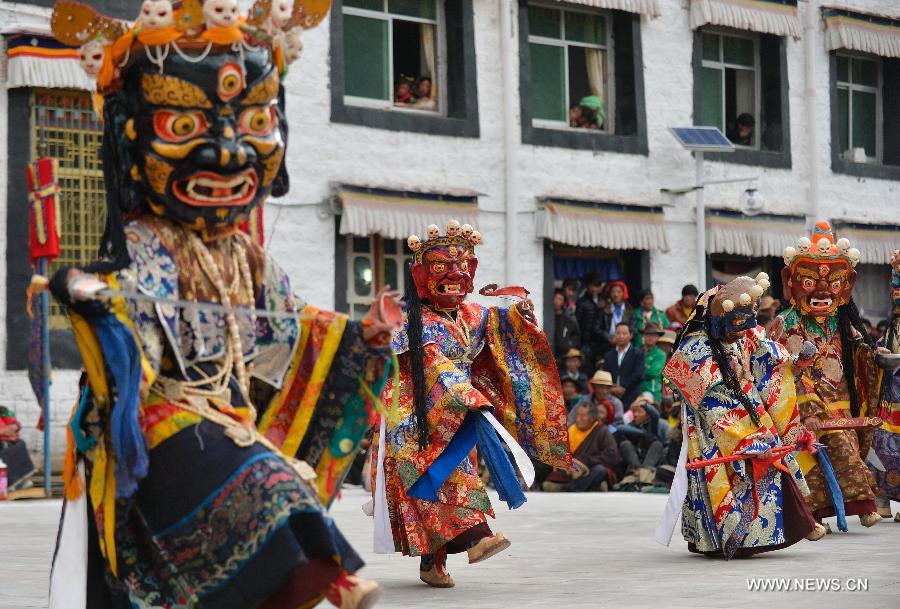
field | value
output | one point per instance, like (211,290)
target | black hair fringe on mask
(416,356)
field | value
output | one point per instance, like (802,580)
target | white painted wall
(322,154)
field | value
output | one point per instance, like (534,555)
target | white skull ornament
(220,13)
(293,46)
(433,231)
(453,228)
(414,243)
(280,14)
(91,56)
(475,238)
(467,231)
(157,14)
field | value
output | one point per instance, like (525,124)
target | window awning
(868,32)
(777,17)
(729,232)
(875,242)
(398,214)
(37,60)
(609,225)
(642,7)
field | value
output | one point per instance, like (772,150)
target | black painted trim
(838,164)
(562,138)
(340,269)
(742,156)
(465,126)
(64,354)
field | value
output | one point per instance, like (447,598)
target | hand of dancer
(525,307)
(385,316)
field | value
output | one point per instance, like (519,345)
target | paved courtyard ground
(568,552)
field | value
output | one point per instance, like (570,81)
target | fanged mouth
(207,189)
(450,289)
(820,303)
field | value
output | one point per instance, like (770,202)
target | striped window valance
(609,225)
(729,232)
(397,214)
(857,31)
(777,17)
(875,242)
(37,60)
(641,7)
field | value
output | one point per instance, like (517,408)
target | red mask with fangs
(445,276)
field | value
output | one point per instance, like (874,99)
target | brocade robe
(822,392)
(485,358)
(727,508)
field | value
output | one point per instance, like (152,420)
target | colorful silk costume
(819,279)
(750,505)
(458,361)
(886,440)
(212,398)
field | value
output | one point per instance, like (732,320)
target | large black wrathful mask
(201,143)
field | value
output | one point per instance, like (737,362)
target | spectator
(617,311)
(593,112)
(646,314)
(13,451)
(565,328)
(601,384)
(741,134)
(654,362)
(639,442)
(570,291)
(595,454)
(571,394)
(666,342)
(576,113)
(881,329)
(424,95)
(403,92)
(587,311)
(572,369)
(681,310)
(767,312)
(625,364)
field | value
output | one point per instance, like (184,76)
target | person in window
(425,94)
(597,114)
(648,314)
(565,329)
(742,132)
(681,310)
(403,92)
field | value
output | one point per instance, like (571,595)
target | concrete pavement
(568,552)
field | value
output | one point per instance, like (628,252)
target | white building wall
(301,233)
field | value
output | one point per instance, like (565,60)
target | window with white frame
(394,54)
(731,88)
(372,263)
(859,108)
(570,68)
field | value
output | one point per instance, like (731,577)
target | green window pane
(414,8)
(843,68)
(738,51)
(544,21)
(865,72)
(864,121)
(362,276)
(584,27)
(390,273)
(711,47)
(712,98)
(366,57)
(372,5)
(843,118)
(548,82)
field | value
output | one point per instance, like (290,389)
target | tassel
(834,489)
(503,475)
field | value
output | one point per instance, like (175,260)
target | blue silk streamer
(834,489)
(123,363)
(475,430)
(83,442)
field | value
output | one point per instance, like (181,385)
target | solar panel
(702,139)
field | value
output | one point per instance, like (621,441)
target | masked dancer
(219,412)
(842,383)
(886,441)
(467,374)
(737,484)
